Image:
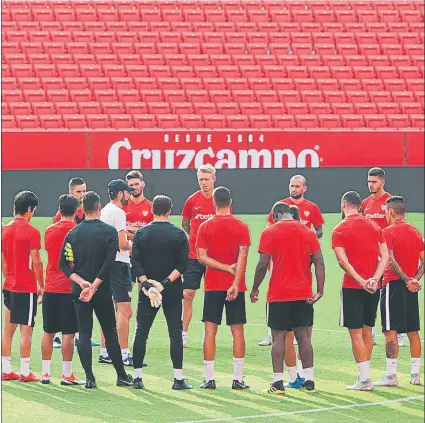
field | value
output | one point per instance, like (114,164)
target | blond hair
(207,168)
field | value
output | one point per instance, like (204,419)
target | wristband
(146,285)
(166,282)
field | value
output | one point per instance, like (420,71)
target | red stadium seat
(282,84)
(417,120)
(66,108)
(333,59)
(214,83)
(183,108)
(357,96)
(259,83)
(81,84)
(366,108)
(20,108)
(134,108)
(243,96)
(398,121)
(266,96)
(314,96)
(8,122)
(51,121)
(237,122)
(388,108)
(205,108)
(228,109)
(74,121)
(220,96)
(214,121)
(327,84)
(320,108)
(260,121)
(409,72)
(380,96)
(352,121)
(27,122)
(306,121)
(350,84)
(411,108)
(144,121)
(274,108)
(289,96)
(123,83)
(394,84)
(250,109)
(375,121)
(415,84)
(44,108)
(284,121)
(88,108)
(334,96)
(403,96)
(342,72)
(112,107)
(168,121)
(191,121)
(297,108)
(329,121)
(144,83)
(151,96)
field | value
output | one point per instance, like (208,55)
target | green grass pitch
(334,370)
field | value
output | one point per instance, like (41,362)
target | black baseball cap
(118,185)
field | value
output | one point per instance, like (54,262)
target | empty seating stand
(212,64)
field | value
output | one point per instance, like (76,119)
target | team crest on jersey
(145,212)
(307,213)
(383,207)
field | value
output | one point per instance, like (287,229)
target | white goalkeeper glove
(154,296)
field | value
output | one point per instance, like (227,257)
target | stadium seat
(243,96)
(50,121)
(144,121)
(306,121)
(74,121)
(237,122)
(134,108)
(205,108)
(320,108)
(375,121)
(342,108)
(380,96)
(335,96)
(289,96)
(112,107)
(284,121)
(352,121)
(366,108)
(168,121)
(372,85)
(27,122)
(296,108)
(88,108)
(274,108)
(417,120)
(329,121)
(388,108)
(266,96)
(220,96)
(350,84)
(214,121)
(250,109)
(403,96)
(191,121)
(398,121)
(411,108)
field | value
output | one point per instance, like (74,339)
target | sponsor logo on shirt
(375,216)
(304,222)
(203,216)
(383,207)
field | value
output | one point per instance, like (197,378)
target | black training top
(158,249)
(89,250)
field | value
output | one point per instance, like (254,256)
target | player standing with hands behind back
(358,243)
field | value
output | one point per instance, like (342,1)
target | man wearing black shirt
(160,253)
(86,257)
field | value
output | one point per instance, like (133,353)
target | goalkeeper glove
(155,297)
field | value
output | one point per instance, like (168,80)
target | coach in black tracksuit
(87,254)
(160,256)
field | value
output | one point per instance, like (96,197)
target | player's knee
(413,336)
(189,294)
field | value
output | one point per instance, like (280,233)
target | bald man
(310,216)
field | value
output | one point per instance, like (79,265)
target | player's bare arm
(3,265)
(79,281)
(131,231)
(319,270)
(214,264)
(124,243)
(395,267)
(421,268)
(38,270)
(383,262)
(186,225)
(260,274)
(240,270)
(319,231)
(345,265)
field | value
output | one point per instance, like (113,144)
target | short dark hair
(397,203)
(295,212)
(76,181)
(134,174)
(68,205)
(91,201)
(222,197)
(23,201)
(377,171)
(352,198)
(161,205)
(279,209)
(113,194)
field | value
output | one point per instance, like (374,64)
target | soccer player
(399,298)
(291,247)
(120,273)
(373,207)
(77,187)
(222,246)
(160,255)
(311,216)
(58,306)
(198,208)
(88,252)
(23,268)
(358,243)
(138,211)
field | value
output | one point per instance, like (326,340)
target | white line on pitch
(317,410)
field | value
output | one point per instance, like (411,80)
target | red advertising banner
(44,150)
(415,142)
(242,150)
(224,149)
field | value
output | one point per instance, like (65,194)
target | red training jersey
(290,245)
(407,243)
(375,209)
(79,217)
(360,238)
(140,214)
(197,209)
(222,236)
(19,238)
(310,214)
(56,281)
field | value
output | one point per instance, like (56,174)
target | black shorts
(6,298)
(215,301)
(358,308)
(59,313)
(399,308)
(287,315)
(193,275)
(120,281)
(311,322)
(23,308)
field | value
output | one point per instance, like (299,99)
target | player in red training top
(399,296)
(311,216)
(373,207)
(58,306)
(77,188)
(139,209)
(358,243)
(197,209)
(222,246)
(290,247)
(22,265)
